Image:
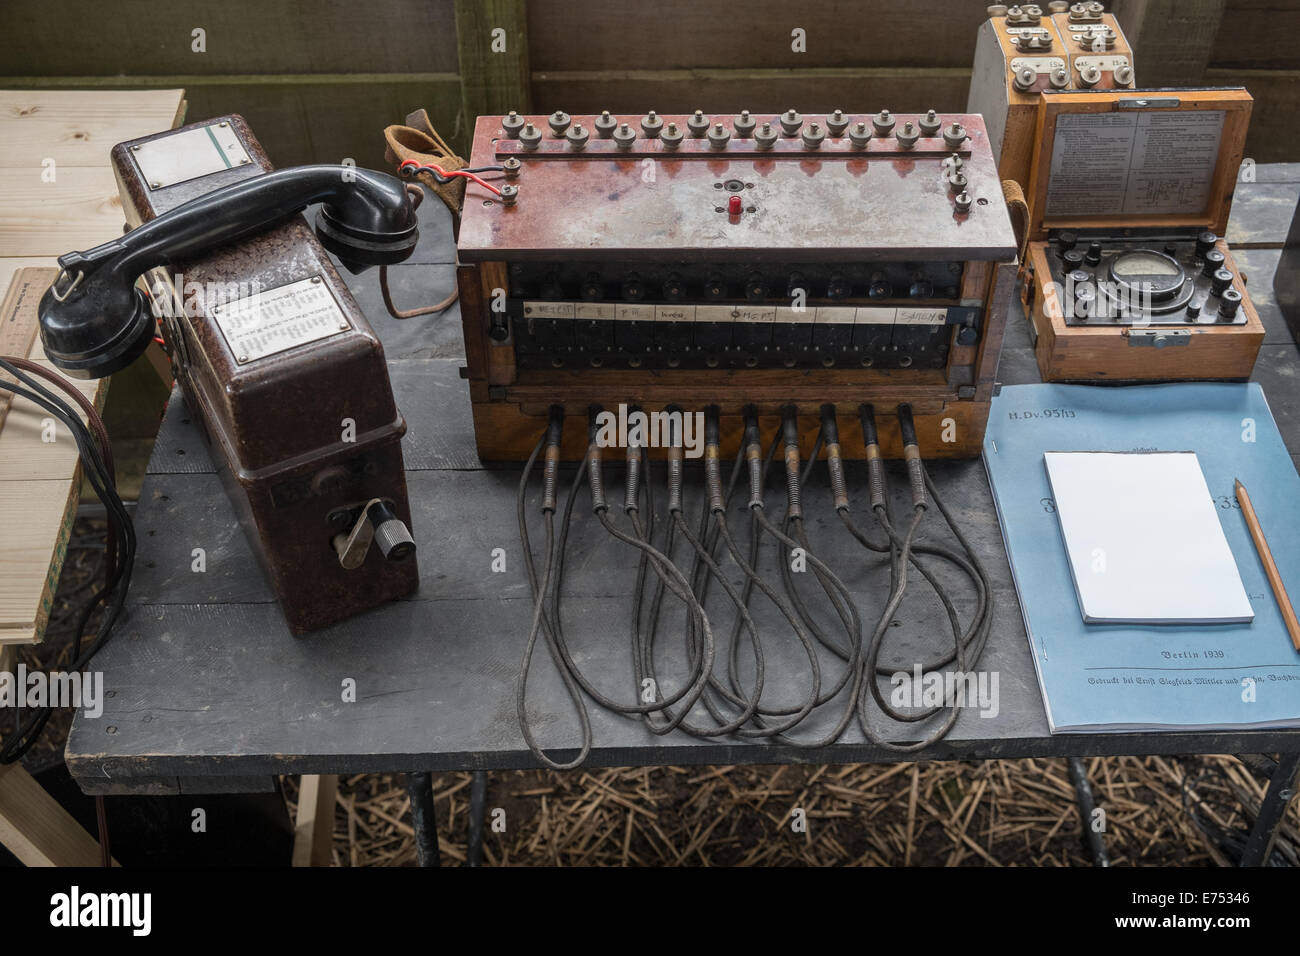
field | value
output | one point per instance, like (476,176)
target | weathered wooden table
(210,692)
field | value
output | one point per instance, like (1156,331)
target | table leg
(313,838)
(1083,795)
(477,812)
(419,790)
(34,828)
(1281,790)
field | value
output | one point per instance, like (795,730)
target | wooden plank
(493,44)
(313,836)
(11,264)
(39,515)
(36,829)
(39,480)
(1173,39)
(80,209)
(18,324)
(320,36)
(300,118)
(853,89)
(676,34)
(38,491)
(74,128)
(25,452)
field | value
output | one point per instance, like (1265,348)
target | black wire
(904,547)
(540,622)
(442,180)
(556,591)
(115,587)
(736,709)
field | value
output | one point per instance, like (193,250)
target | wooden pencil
(1270,566)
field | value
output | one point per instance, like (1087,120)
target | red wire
(410,163)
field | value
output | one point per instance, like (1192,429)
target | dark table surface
(210,691)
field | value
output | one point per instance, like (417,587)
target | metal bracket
(1158,338)
(1149,103)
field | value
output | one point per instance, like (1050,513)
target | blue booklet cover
(1098,677)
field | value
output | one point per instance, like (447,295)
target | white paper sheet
(1144,539)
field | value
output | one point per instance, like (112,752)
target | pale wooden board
(11,264)
(79,210)
(34,828)
(38,496)
(314,829)
(76,128)
(12,636)
(39,221)
(37,514)
(26,451)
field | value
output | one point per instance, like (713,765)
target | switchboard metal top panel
(810,188)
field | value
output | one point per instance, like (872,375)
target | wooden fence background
(319,79)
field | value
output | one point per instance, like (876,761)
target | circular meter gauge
(1144,280)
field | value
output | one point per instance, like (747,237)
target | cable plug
(631,493)
(875,464)
(790,436)
(834,458)
(712,464)
(912,454)
(551,464)
(753,457)
(595,470)
(674,460)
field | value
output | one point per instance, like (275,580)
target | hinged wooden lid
(1135,158)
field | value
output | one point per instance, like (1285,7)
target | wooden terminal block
(692,260)
(1022,51)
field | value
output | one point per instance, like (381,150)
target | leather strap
(419,141)
(1019,209)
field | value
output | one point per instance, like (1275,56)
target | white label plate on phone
(189,154)
(279,319)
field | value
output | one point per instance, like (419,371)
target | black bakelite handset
(95,321)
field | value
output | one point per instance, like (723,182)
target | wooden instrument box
(1127,275)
